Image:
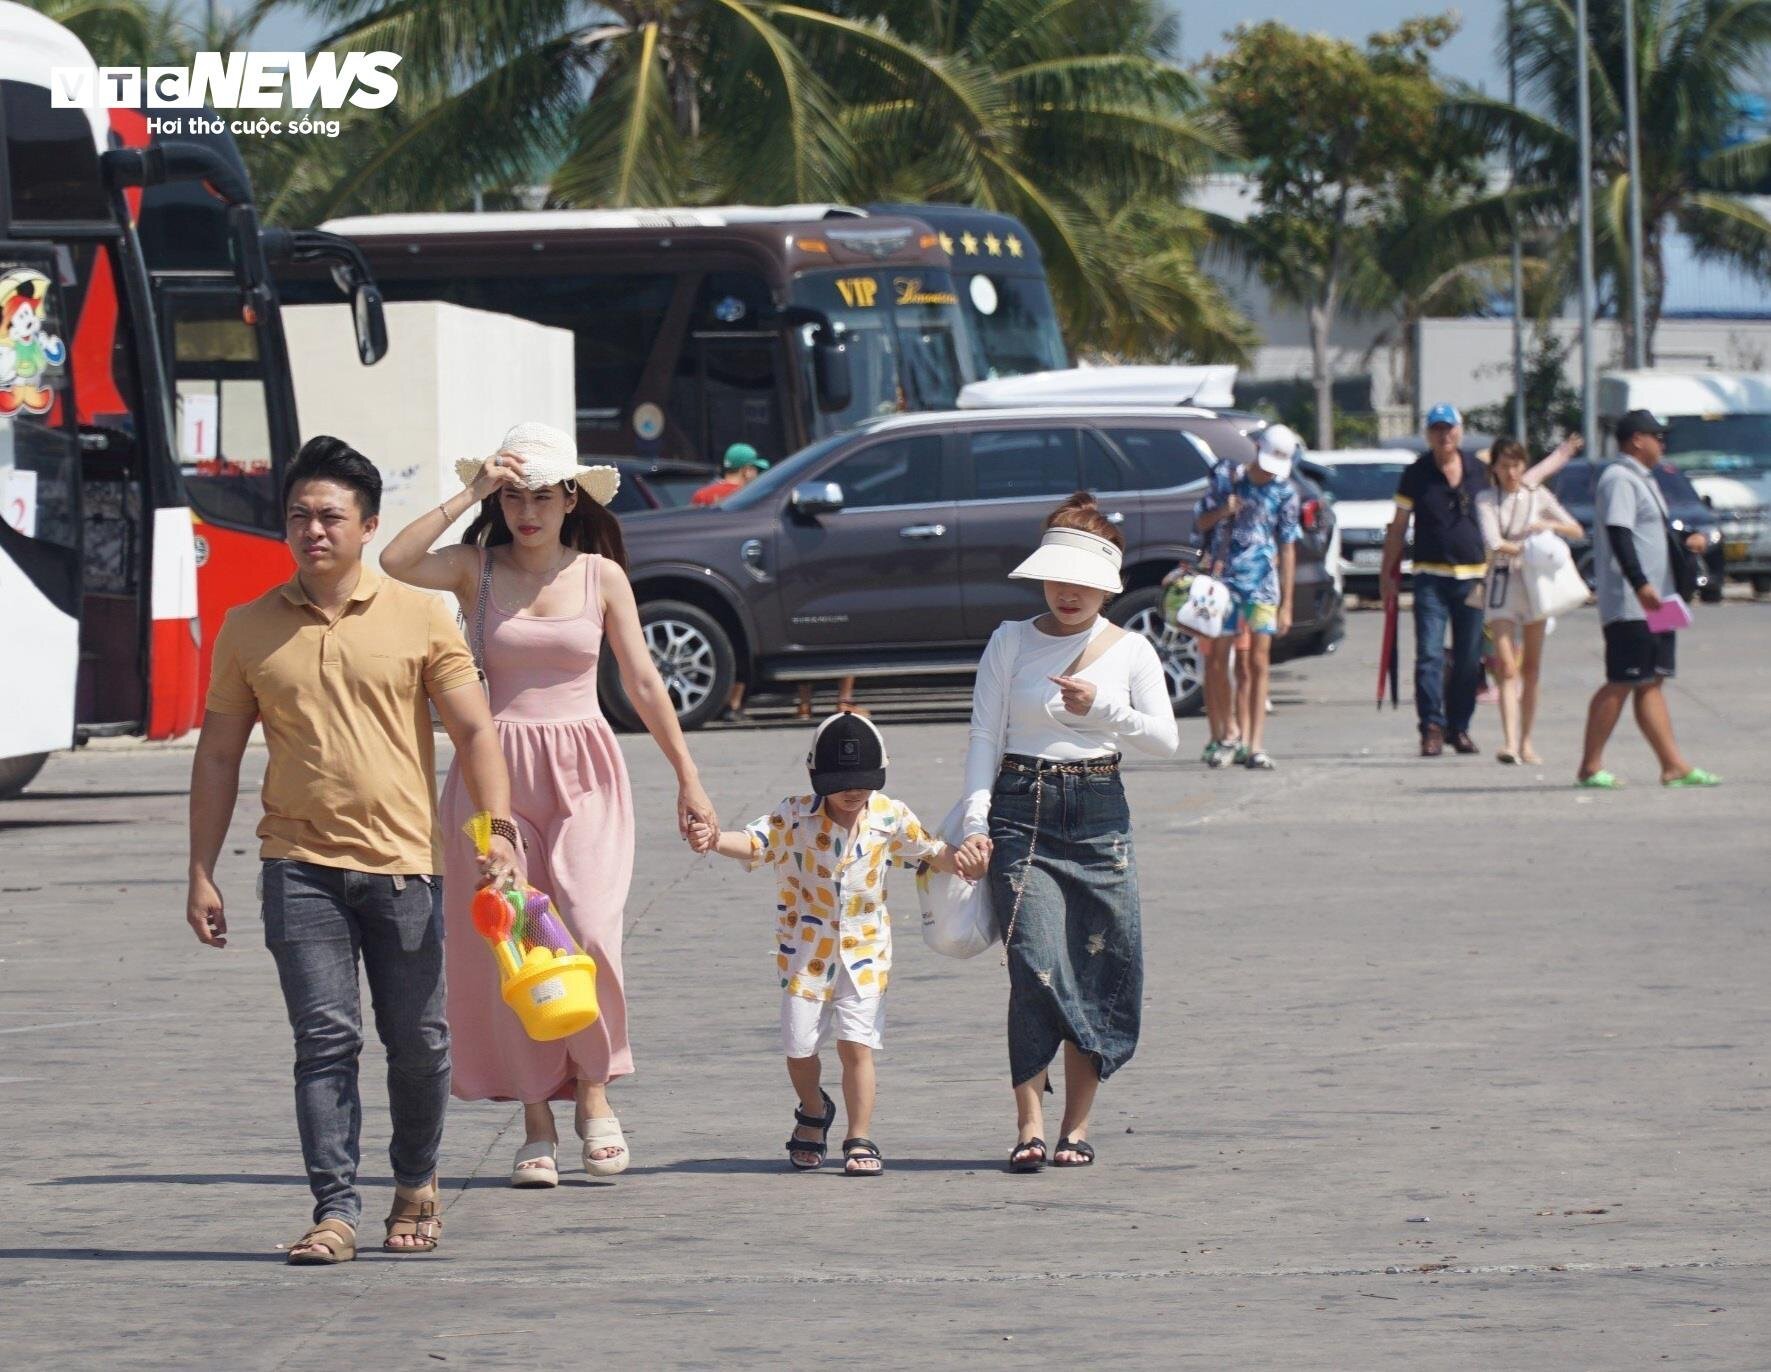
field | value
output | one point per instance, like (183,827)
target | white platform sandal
(601,1133)
(535,1165)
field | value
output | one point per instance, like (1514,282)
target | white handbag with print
(1553,584)
(1206,607)
(957,921)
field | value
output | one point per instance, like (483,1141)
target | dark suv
(885,551)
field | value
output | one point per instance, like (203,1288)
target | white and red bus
(104,613)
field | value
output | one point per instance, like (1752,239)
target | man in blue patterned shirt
(1258,567)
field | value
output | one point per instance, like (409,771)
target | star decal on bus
(993,245)
(1013,244)
(969,242)
(946,243)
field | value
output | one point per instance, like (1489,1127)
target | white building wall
(1470,361)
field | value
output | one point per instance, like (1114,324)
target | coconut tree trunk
(1321,315)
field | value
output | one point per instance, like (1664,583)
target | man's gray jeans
(317,920)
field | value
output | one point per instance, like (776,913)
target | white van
(1719,435)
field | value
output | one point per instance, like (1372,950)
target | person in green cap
(742,466)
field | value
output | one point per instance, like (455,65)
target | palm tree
(1694,58)
(1077,121)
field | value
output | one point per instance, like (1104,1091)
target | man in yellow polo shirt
(338,664)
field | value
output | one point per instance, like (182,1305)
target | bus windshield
(1014,325)
(902,327)
(1720,443)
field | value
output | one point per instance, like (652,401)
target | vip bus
(99,602)
(999,276)
(700,328)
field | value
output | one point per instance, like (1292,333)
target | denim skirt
(1061,845)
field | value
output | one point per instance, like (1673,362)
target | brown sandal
(335,1241)
(419,1219)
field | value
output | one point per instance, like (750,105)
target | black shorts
(1634,654)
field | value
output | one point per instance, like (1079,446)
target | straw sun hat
(550,456)
(1072,556)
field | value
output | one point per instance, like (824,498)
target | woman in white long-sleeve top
(1057,697)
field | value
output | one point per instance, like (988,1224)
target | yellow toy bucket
(553,995)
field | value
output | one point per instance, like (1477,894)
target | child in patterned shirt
(830,851)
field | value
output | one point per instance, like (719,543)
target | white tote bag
(957,921)
(1207,605)
(1552,582)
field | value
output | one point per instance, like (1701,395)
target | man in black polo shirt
(1450,558)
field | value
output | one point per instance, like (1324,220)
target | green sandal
(1695,777)
(1600,780)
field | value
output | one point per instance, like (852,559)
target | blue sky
(1469,56)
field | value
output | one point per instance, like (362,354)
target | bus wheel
(16,773)
(1141,612)
(693,654)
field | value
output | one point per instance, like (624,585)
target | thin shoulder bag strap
(479,612)
(1099,642)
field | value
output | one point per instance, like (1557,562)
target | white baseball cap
(1274,447)
(550,456)
(1073,557)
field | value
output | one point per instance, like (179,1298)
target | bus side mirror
(371,323)
(830,370)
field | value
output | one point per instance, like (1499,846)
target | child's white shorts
(808,1025)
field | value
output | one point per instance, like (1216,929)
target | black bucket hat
(847,754)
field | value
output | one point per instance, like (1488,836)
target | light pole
(1638,333)
(1589,421)
(1519,429)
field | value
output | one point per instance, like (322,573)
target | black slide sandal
(854,1150)
(820,1145)
(1033,1164)
(1083,1149)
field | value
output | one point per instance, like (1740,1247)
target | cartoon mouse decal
(29,353)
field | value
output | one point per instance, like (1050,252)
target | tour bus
(97,561)
(698,328)
(99,582)
(1000,279)
(222,337)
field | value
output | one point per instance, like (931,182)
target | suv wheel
(1141,612)
(693,654)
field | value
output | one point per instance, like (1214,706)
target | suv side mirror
(830,369)
(813,498)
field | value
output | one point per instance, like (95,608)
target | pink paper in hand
(1672,615)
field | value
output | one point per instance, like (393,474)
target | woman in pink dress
(541,580)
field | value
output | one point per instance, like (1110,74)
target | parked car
(663,484)
(1574,488)
(1362,484)
(885,550)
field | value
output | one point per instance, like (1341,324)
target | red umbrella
(1386,663)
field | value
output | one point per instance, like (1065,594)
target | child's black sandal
(818,1146)
(855,1149)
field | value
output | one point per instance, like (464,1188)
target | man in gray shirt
(1637,558)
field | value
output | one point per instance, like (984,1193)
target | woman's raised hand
(1079,695)
(500,469)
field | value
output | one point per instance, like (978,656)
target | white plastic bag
(1208,603)
(1553,585)
(957,921)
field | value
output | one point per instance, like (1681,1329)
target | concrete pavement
(1445,1064)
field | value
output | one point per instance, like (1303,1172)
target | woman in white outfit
(1511,511)
(1056,699)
